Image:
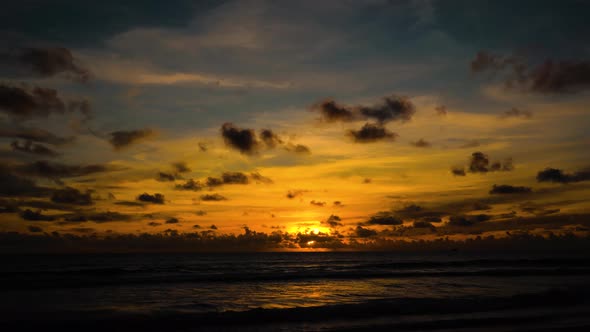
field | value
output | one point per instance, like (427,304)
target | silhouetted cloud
(480,163)
(35,216)
(181,167)
(24,103)
(162,176)
(243,140)
(190,184)
(421,143)
(422,224)
(383,218)
(35,229)
(172,221)
(257,177)
(270,138)
(200,213)
(32,148)
(155,198)
(13,185)
(333,221)
(364,232)
(45,62)
(70,195)
(12,130)
(537,209)
(297,148)
(372,133)
(154,224)
(458,171)
(516,113)
(392,108)
(441,110)
(295,193)
(213,227)
(124,138)
(508,189)
(213,197)
(559,176)
(548,77)
(234,178)
(468,220)
(317,203)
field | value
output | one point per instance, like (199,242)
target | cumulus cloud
(181,167)
(243,140)
(333,221)
(364,232)
(559,176)
(172,221)
(163,177)
(480,163)
(372,133)
(124,138)
(70,195)
(213,197)
(468,220)
(270,138)
(33,148)
(508,189)
(383,218)
(458,171)
(391,108)
(190,184)
(154,199)
(234,178)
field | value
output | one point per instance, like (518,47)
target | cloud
(213,197)
(70,195)
(422,224)
(46,62)
(163,177)
(190,184)
(468,220)
(13,185)
(458,171)
(317,203)
(200,213)
(559,176)
(154,224)
(516,113)
(35,216)
(480,163)
(364,232)
(12,130)
(172,221)
(123,139)
(297,148)
(214,182)
(32,148)
(508,189)
(24,103)
(548,77)
(46,169)
(154,199)
(243,140)
(441,110)
(391,108)
(181,167)
(333,221)
(234,178)
(270,138)
(295,193)
(260,178)
(35,229)
(383,218)
(372,133)
(421,143)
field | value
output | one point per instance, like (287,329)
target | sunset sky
(332,121)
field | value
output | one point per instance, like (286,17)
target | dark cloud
(516,113)
(97,217)
(422,224)
(392,108)
(214,182)
(364,232)
(13,185)
(35,216)
(181,167)
(295,193)
(298,148)
(123,139)
(559,176)
(383,218)
(71,196)
(480,163)
(213,227)
(537,209)
(172,221)
(33,148)
(35,229)
(508,189)
(24,103)
(337,203)
(333,221)
(45,62)
(468,220)
(201,213)
(421,143)
(190,184)
(32,134)
(257,177)
(317,203)
(270,138)
(372,133)
(441,110)
(46,169)
(154,224)
(213,197)
(243,140)
(234,178)
(458,171)
(548,77)
(163,177)
(154,199)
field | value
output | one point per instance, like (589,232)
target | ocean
(312,291)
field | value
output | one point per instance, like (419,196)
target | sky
(283,125)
